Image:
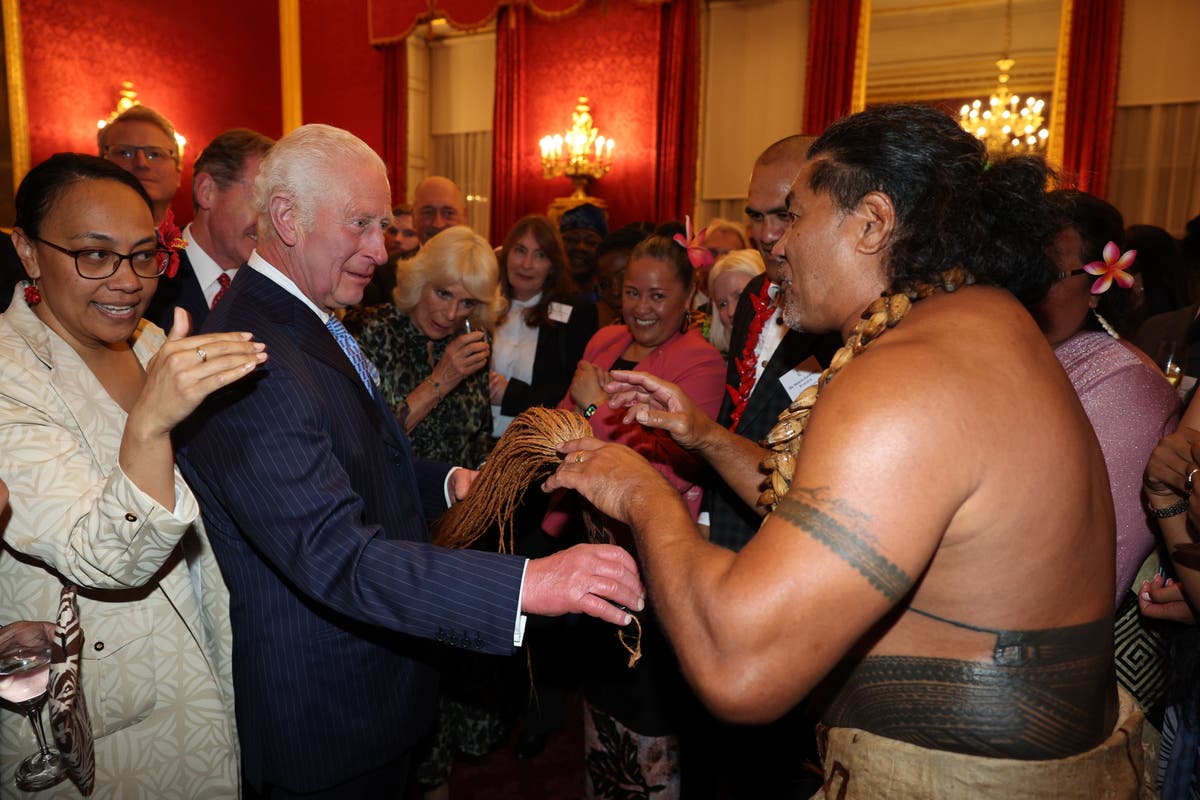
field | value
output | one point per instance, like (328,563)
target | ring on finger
(1189,481)
(203,356)
(579,457)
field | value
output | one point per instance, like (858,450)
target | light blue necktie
(362,365)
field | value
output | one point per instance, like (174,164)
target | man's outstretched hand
(588,579)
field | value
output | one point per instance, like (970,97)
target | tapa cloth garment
(859,764)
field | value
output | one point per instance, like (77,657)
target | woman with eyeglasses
(89,393)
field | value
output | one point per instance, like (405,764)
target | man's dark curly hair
(953,205)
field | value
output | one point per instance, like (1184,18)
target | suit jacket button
(98,646)
(130,517)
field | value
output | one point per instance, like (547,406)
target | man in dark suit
(222,235)
(769,364)
(316,508)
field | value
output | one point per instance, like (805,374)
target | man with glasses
(141,141)
(439,205)
(223,233)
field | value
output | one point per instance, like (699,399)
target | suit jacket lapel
(316,342)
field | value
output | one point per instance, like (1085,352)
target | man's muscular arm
(755,631)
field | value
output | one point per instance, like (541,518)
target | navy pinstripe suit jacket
(317,515)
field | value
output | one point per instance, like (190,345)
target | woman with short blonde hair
(431,348)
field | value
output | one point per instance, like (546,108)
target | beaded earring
(33,295)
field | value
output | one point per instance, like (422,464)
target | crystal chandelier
(1004,123)
(580,153)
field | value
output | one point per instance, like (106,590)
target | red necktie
(222,279)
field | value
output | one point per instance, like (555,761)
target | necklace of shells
(783,440)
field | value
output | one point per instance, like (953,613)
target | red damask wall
(342,74)
(207,66)
(612,59)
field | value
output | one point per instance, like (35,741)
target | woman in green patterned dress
(432,373)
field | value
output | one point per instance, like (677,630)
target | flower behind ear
(1112,268)
(168,236)
(700,256)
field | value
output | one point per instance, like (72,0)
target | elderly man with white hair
(317,509)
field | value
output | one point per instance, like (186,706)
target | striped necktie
(362,365)
(224,280)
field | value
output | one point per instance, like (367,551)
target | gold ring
(579,457)
(1189,481)
(203,355)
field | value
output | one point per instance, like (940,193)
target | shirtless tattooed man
(940,571)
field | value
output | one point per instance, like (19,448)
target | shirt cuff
(519,628)
(446,487)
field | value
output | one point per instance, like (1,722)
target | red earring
(33,295)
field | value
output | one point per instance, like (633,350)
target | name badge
(797,380)
(560,312)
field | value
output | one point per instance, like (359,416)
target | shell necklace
(783,440)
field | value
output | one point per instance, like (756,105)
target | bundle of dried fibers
(526,453)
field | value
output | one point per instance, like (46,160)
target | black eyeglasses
(96,264)
(128,152)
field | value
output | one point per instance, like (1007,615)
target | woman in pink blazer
(648,701)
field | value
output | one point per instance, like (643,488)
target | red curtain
(678,107)
(395,117)
(1091,93)
(607,52)
(508,133)
(832,45)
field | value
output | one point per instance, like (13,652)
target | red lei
(748,361)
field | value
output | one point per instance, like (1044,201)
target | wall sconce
(128,99)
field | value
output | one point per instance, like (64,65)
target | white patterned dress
(152,604)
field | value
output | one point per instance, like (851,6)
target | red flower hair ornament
(168,237)
(1112,268)
(700,256)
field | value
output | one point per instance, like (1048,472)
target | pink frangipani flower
(1112,268)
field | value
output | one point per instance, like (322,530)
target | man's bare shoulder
(971,353)
(938,425)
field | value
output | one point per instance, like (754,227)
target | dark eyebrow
(104,237)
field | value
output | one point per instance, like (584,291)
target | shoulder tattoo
(851,544)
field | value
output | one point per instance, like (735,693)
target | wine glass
(24,676)
(1172,355)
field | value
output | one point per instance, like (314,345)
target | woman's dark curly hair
(953,205)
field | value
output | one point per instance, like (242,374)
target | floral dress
(457,432)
